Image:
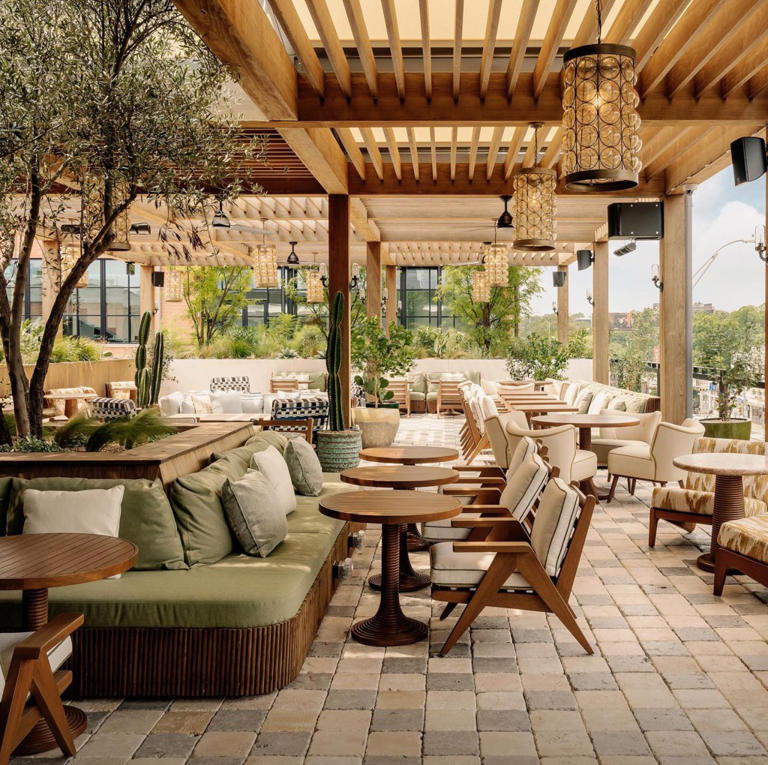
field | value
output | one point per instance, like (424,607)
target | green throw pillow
(257,522)
(304,467)
(146,518)
(196,502)
(266,438)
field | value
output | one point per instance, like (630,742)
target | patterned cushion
(452,569)
(202,404)
(309,406)
(111,408)
(748,536)
(698,502)
(242,384)
(553,525)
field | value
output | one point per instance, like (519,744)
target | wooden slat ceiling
(422,109)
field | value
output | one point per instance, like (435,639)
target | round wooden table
(729,470)
(401,477)
(411,455)
(391,508)
(585,423)
(33,563)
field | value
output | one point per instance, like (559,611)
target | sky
(721,213)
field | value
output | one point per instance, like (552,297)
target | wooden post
(338,281)
(676,310)
(391,283)
(600,318)
(765,319)
(562,308)
(373,279)
(147,293)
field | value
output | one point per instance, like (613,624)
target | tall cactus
(333,363)
(143,378)
(157,368)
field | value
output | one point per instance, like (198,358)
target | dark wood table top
(39,561)
(399,476)
(587,420)
(409,455)
(389,506)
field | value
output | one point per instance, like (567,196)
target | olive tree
(101,102)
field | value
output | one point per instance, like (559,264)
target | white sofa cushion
(634,461)
(171,404)
(602,447)
(227,402)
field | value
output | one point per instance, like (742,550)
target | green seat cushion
(307,518)
(317,380)
(146,517)
(238,591)
(418,383)
(418,395)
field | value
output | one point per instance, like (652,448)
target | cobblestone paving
(678,676)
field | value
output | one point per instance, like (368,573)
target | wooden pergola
(395,127)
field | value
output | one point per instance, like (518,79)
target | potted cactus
(148,379)
(337,447)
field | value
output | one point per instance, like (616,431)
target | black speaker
(584,258)
(749,160)
(158,278)
(636,220)
(558,278)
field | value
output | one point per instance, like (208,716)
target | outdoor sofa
(202,618)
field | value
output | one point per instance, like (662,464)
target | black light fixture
(749,159)
(140,228)
(220,219)
(626,249)
(293,258)
(505,219)
(656,277)
(158,278)
(558,278)
(71,229)
(585,258)
(130,268)
(554,308)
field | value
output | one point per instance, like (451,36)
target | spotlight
(626,249)
(585,258)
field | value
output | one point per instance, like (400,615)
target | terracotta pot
(739,429)
(378,426)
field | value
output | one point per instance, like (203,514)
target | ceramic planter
(378,426)
(739,429)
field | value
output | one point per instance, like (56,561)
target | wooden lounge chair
(510,569)
(401,388)
(449,397)
(284,385)
(32,683)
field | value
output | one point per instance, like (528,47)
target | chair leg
(447,611)
(14,699)
(632,489)
(47,697)
(612,490)
(653,522)
(721,571)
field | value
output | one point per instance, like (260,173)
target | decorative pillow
(600,401)
(202,404)
(252,404)
(583,400)
(618,404)
(171,404)
(553,524)
(187,407)
(452,376)
(271,463)
(304,467)
(254,514)
(227,401)
(93,511)
(265,438)
(524,486)
(569,393)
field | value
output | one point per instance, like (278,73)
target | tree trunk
(19,391)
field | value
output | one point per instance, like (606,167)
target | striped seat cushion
(748,536)
(554,523)
(697,502)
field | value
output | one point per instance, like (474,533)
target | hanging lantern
(315,289)
(496,265)
(534,205)
(174,290)
(265,266)
(481,289)
(601,145)
(69,257)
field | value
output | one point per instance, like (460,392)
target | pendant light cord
(599,22)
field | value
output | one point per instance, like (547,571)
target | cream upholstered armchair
(653,462)
(694,501)
(502,444)
(614,438)
(575,465)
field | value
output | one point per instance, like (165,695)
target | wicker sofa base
(150,662)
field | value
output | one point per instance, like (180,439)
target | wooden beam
(588,29)
(352,149)
(757,86)
(365,227)
(334,50)
(321,155)
(561,15)
(426,47)
(147,293)
(457,33)
(414,150)
(743,73)
(550,156)
(663,18)
(395,48)
(391,287)
(373,151)
(432,153)
(522,36)
(513,149)
(489,44)
(626,20)
(563,319)
(454,137)
(674,148)
(493,150)
(600,314)
(473,150)
(373,280)
(338,281)
(289,20)
(363,43)
(394,152)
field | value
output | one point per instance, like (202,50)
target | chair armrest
(519,548)
(48,636)
(482,470)
(486,509)
(480,479)
(508,528)
(469,491)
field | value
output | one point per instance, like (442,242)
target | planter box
(185,452)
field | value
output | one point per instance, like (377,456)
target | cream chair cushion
(560,442)
(748,536)
(569,393)
(502,444)
(443,530)
(584,465)
(524,449)
(698,502)
(452,569)
(553,525)
(9,640)
(488,407)
(634,461)
(583,400)
(602,447)
(644,431)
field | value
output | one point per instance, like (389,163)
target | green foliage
(490,325)
(432,342)
(75,431)
(579,344)
(333,364)
(69,348)
(536,357)
(376,355)
(129,432)
(632,349)
(309,341)
(30,444)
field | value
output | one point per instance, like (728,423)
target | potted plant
(377,356)
(536,357)
(743,371)
(337,448)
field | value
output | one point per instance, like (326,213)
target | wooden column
(373,279)
(765,371)
(391,284)
(600,318)
(562,308)
(676,309)
(147,293)
(338,281)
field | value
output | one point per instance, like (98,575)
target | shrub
(31,444)
(309,341)
(536,356)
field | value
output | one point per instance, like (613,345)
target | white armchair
(502,444)
(653,462)
(636,435)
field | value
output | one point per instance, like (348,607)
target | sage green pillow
(269,438)
(304,467)
(146,517)
(196,502)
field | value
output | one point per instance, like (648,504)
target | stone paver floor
(678,675)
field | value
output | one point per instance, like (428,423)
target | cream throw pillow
(272,465)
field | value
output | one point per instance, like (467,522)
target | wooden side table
(391,508)
(405,477)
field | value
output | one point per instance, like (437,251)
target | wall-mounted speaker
(749,159)
(558,278)
(158,278)
(636,220)
(584,258)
